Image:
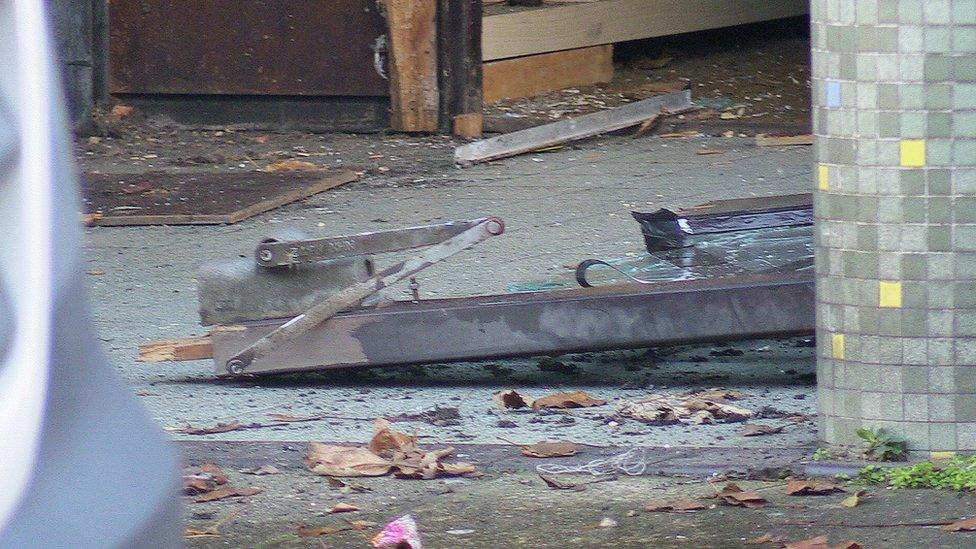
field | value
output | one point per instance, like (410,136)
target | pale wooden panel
(545,72)
(580,25)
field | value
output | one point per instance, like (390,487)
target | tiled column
(895,121)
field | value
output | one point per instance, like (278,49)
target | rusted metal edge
(552,322)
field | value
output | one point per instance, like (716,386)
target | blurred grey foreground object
(85,467)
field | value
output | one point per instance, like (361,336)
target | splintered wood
(176,350)
(414,98)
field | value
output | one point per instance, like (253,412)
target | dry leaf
(557,484)
(457,468)
(511,400)
(262,139)
(709,151)
(819,542)
(853,500)
(811,488)
(227,492)
(361,524)
(576,399)
(193,485)
(965,525)
(261,471)
(346,487)
(754,430)
(344,461)
(292,166)
(293,419)
(680,506)
(550,449)
(316,531)
(733,495)
(343,508)
(607,522)
(766,538)
(386,440)
(657,409)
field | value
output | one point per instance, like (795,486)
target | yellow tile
(912,153)
(822,181)
(889,294)
(941,455)
(837,343)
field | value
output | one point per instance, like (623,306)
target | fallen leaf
(819,542)
(658,409)
(193,485)
(709,151)
(511,400)
(219,428)
(386,440)
(607,522)
(344,461)
(576,399)
(344,486)
(549,449)
(262,139)
(292,166)
(227,492)
(361,524)
(811,487)
(965,525)
(212,531)
(343,508)
(766,538)
(457,468)
(557,484)
(733,495)
(679,506)
(316,531)
(261,471)
(293,419)
(754,430)
(854,499)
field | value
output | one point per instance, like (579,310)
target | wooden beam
(579,25)
(537,74)
(176,350)
(459,65)
(414,101)
(569,129)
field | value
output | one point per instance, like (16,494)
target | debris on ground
(735,496)
(227,492)
(557,484)
(607,522)
(547,449)
(756,430)
(678,506)
(292,166)
(402,533)
(854,499)
(811,487)
(965,525)
(438,417)
(658,409)
(512,400)
(387,451)
(212,531)
(764,140)
(203,479)
(342,508)
(261,471)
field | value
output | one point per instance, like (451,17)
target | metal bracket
(465,235)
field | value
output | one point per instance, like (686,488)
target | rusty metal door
(245,47)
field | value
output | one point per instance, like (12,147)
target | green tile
(913,210)
(889,324)
(965,209)
(964,152)
(939,209)
(965,67)
(938,124)
(909,12)
(911,96)
(937,182)
(938,96)
(938,39)
(963,12)
(964,96)
(938,68)
(915,379)
(914,323)
(911,182)
(867,237)
(938,152)
(965,294)
(887,11)
(965,378)
(913,125)
(888,97)
(867,319)
(889,124)
(965,407)
(940,296)
(964,123)
(939,238)
(942,437)
(912,268)
(964,39)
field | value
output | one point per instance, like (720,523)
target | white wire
(633,462)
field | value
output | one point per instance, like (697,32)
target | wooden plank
(262,187)
(414,100)
(537,74)
(176,350)
(571,129)
(468,126)
(590,24)
(763,140)
(459,63)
